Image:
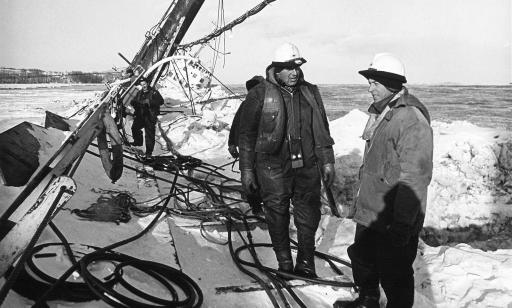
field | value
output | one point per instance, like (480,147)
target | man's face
(289,76)
(377,90)
(144,85)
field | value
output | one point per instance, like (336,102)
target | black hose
(164,274)
(21,262)
(33,281)
(41,301)
(266,288)
(93,288)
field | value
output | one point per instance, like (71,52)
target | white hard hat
(287,55)
(387,69)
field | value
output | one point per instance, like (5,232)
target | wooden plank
(17,239)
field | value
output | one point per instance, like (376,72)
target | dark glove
(249,183)
(233,151)
(399,233)
(328,174)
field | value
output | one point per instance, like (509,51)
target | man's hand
(328,174)
(233,151)
(249,183)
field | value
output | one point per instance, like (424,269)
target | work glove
(328,174)
(399,234)
(233,151)
(249,183)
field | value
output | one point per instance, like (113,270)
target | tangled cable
(168,277)
(276,279)
(33,281)
(216,207)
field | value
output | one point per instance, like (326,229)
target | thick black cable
(40,302)
(266,288)
(275,280)
(34,283)
(188,286)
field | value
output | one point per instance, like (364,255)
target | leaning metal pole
(171,30)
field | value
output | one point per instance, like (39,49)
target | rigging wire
(229,26)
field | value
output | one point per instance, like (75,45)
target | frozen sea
(486,106)
(483,105)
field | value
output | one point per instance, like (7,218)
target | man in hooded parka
(285,150)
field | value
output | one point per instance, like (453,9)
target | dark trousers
(146,123)
(374,259)
(279,185)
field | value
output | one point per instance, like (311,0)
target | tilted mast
(172,27)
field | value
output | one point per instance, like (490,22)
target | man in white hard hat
(391,201)
(285,151)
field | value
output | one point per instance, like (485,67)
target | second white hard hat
(385,66)
(287,55)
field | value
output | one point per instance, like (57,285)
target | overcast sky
(460,41)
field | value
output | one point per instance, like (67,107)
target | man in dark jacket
(285,149)
(253,198)
(391,201)
(147,107)
(234,131)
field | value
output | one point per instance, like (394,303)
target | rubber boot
(305,268)
(305,265)
(366,299)
(285,262)
(278,224)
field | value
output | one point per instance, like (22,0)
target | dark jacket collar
(404,99)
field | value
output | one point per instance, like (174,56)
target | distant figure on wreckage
(391,201)
(147,104)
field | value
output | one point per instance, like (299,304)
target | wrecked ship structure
(95,253)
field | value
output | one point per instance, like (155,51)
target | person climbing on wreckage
(147,104)
(285,148)
(391,201)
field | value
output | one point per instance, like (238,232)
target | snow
(466,258)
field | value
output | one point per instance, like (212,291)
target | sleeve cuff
(325,155)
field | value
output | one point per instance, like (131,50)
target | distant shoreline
(37,76)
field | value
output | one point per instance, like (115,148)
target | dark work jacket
(147,104)
(263,127)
